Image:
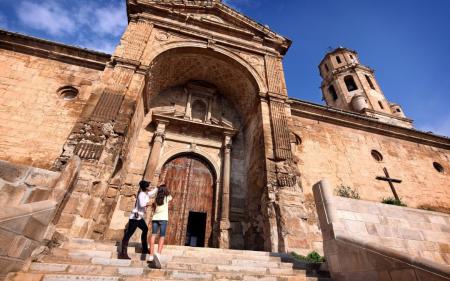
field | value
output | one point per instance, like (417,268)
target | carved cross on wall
(391,182)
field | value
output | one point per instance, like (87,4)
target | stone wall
(338,146)
(35,120)
(375,241)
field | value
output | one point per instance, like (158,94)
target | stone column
(153,159)
(224,238)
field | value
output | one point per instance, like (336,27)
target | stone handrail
(24,210)
(339,243)
(33,223)
(417,262)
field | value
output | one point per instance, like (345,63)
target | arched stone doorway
(191,182)
(197,99)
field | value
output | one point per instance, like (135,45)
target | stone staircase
(84,259)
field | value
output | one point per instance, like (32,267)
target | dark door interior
(196,228)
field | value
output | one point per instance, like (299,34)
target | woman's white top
(141,204)
(162,212)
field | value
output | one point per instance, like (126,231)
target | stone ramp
(84,259)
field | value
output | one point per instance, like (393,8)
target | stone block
(92,208)
(127,203)
(48,267)
(66,277)
(191,276)
(16,225)
(65,220)
(38,194)
(87,269)
(426,276)
(111,262)
(21,247)
(11,195)
(131,271)
(12,173)
(403,275)
(83,186)
(8,265)
(20,276)
(411,234)
(358,227)
(6,238)
(41,178)
(34,229)
(99,189)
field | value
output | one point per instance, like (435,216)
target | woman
(159,221)
(136,219)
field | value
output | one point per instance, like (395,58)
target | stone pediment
(211,15)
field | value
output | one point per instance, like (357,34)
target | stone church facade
(194,96)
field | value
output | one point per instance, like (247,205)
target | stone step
(70,272)
(99,265)
(85,254)
(173,276)
(78,243)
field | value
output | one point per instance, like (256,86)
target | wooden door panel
(190,182)
(176,175)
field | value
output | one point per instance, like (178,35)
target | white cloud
(46,16)
(110,20)
(441,127)
(91,24)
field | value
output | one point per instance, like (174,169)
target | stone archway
(191,181)
(227,126)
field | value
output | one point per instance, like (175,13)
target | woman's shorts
(162,225)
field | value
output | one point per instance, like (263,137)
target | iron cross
(391,182)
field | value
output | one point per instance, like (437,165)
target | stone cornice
(53,50)
(180,10)
(205,35)
(361,122)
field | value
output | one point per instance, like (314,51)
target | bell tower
(351,86)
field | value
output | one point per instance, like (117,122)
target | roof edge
(359,121)
(53,50)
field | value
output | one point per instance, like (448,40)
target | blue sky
(407,42)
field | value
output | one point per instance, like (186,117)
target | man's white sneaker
(149,258)
(157,261)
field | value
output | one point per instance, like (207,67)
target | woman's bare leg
(160,245)
(152,244)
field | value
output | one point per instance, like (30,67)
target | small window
(326,67)
(333,92)
(438,167)
(338,59)
(68,92)
(370,82)
(350,83)
(399,110)
(377,155)
(351,56)
(380,104)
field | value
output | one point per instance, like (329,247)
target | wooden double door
(191,212)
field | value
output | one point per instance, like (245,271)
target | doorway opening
(196,228)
